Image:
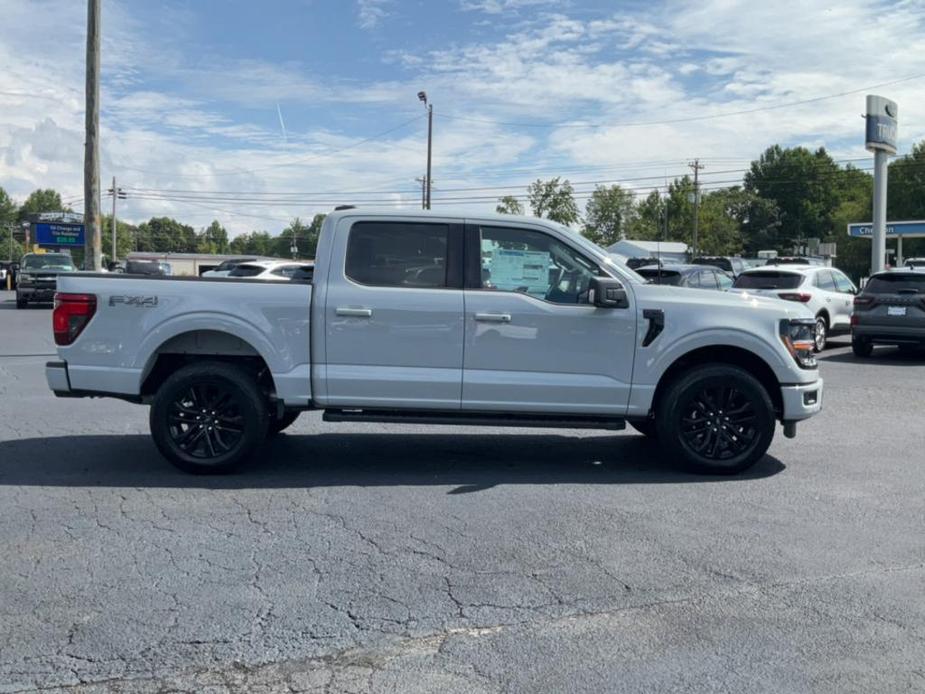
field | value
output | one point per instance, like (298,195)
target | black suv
(890,310)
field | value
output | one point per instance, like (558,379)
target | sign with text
(882,127)
(913,229)
(54,234)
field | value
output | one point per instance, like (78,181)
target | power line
(689,119)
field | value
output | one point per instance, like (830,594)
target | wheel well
(202,345)
(825,314)
(736,356)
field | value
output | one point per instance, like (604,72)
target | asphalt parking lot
(410,559)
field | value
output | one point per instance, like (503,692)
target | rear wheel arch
(204,345)
(721,354)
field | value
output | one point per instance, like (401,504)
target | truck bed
(139,318)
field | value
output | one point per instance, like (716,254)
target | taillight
(863,300)
(795,296)
(71,315)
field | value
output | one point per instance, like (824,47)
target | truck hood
(657,296)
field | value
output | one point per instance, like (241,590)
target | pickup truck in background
(431,317)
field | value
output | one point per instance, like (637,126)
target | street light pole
(422,95)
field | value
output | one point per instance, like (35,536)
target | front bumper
(886,334)
(36,293)
(801,401)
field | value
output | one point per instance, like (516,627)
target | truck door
(394,316)
(533,342)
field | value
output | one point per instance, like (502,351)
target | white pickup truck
(427,317)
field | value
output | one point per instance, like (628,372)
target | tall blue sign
(58,234)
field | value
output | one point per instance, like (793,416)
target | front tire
(20,302)
(716,419)
(208,417)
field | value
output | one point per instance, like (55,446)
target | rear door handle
(354,312)
(493,317)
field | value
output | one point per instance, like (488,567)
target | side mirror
(607,292)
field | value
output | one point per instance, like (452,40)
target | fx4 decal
(142,301)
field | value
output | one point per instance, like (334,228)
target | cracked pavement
(374,558)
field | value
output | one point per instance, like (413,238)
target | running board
(491,419)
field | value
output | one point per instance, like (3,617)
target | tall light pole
(422,96)
(882,121)
(92,142)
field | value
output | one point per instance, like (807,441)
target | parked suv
(38,276)
(736,266)
(889,311)
(827,292)
(695,276)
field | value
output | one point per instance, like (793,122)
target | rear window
(768,279)
(657,276)
(245,270)
(896,283)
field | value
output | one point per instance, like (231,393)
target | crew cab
(439,318)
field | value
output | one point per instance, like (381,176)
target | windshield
(723,263)
(896,283)
(245,270)
(768,279)
(916,262)
(49,261)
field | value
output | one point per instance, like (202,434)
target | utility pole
(117,193)
(696,166)
(430,138)
(93,259)
(423,181)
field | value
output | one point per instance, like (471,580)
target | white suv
(825,291)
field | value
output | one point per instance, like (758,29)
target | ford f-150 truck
(429,317)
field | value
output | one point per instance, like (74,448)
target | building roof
(647,248)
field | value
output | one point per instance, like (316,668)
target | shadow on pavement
(470,462)
(882,356)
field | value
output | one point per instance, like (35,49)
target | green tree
(509,205)
(609,215)
(720,231)
(8,210)
(804,187)
(553,199)
(166,235)
(213,239)
(46,200)
(254,243)
(125,238)
(296,234)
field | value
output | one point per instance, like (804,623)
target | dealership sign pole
(881,140)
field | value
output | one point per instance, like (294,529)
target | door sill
(493,419)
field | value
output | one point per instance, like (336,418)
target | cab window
(534,263)
(398,254)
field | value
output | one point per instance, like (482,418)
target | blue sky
(193,92)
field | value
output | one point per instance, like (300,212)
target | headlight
(798,337)
(25,277)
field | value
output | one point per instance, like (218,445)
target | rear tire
(278,424)
(716,419)
(821,334)
(208,417)
(861,348)
(646,427)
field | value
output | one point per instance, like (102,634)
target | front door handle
(354,312)
(493,317)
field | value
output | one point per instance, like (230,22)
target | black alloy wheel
(205,421)
(715,419)
(719,422)
(208,417)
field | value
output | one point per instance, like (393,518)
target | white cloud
(370,13)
